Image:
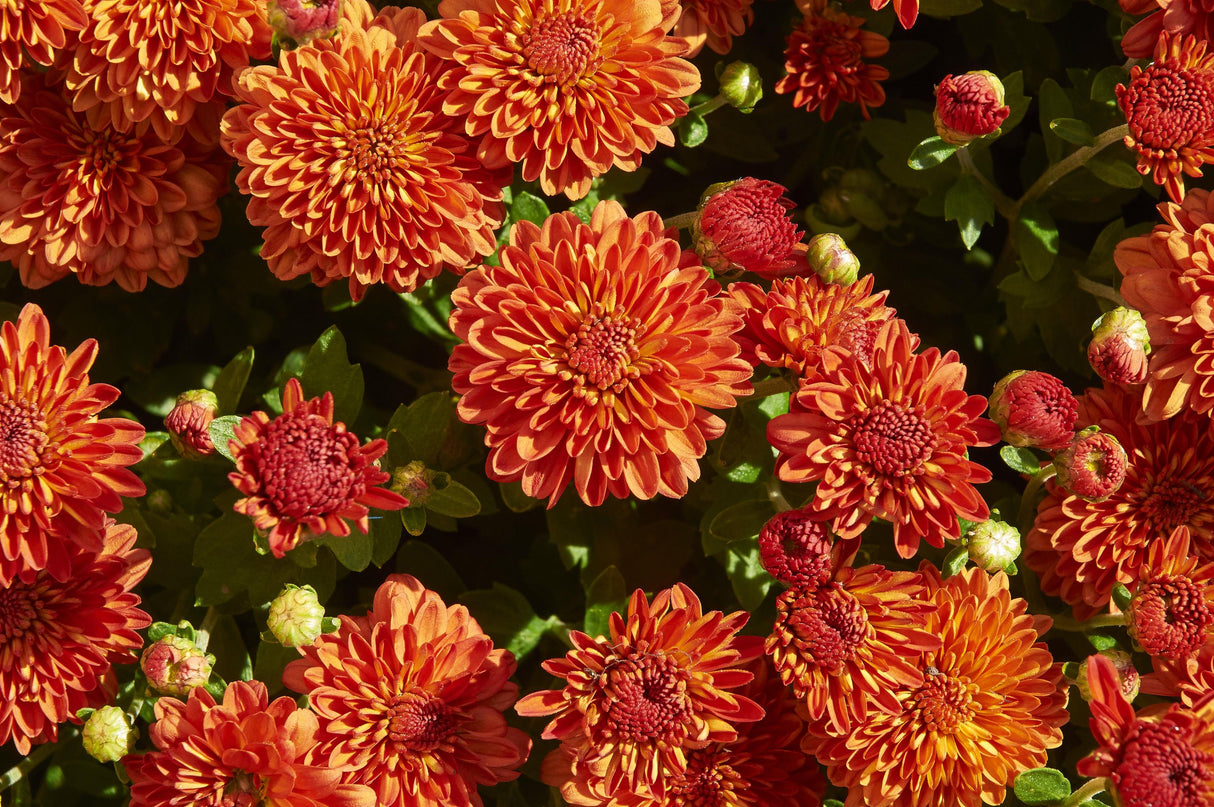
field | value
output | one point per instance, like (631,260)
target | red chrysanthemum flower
(989,702)
(135,63)
(887,439)
(59,638)
(797,548)
(1172,17)
(1169,106)
(244,750)
(1171,613)
(304,475)
(746,226)
(37,28)
(827,62)
(62,467)
(1167,276)
(636,701)
(1163,756)
(410,700)
(1188,679)
(1034,409)
(711,22)
(591,355)
(969,106)
(795,323)
(1081,548)
(98,203)
(844,646)
(1093,466)
(564,88)
(352,167)
(907,11)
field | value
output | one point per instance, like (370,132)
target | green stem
(18,772)
(1003,203)
(1068,164)
(1099,290)
(774,386)
(1025,516)
(709,106)
(1091,788)
(776,494)
(1069,623)
(203,636)
(683,221)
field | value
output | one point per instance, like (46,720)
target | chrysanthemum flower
(797,548)
(1093,466)
(989,704)
(410,700)
(1032,408)
(887,439)
(907,11)
(352,167)
(1188,679)
(63,468)
(98,203)
(244,750)
(800,318)
(37,28)
(746,225)
(1171,612)
(304,475)
(636,701)
(1082,549)
(828,62)
(712,22)
(59,638)
(844,646)
(969,106)
(1162,756)
(1169,106)
(135,63)
(1120,346)
(591,356)
(1172,17)
(1167,277)
(563,88)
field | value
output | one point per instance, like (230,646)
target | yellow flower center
(600,354)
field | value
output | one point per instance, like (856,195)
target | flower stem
(1003,204)
(774,386)
(711,105)
(203,636)
(1091,788)
(1028,500)
(1099,290)
(776,494)
(1068,164)
(683,221)
(1069,623)
(18,772)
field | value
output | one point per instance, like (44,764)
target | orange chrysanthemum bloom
(1163,756)
(37,28)
(1188,679)
(61,466)
(59,638)
(1173,17)
(136,63)
(566,89)
(410,700)
(304,475)
(847,645)
(827,62)
(636,701)
(800,318)
(711,22)
(1171,613)
(990,701)
(590,355)
(887,439)
(352,167)
(1083,549)
(1169,107)
(244,750)
(1167,276)
(103,205)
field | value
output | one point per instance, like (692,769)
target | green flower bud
(993,545)
(108,736)
(831,259)
(741,85)
(296,616)
(174,665)
(1119,347)
(414,481)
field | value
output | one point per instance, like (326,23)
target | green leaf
(352,551)
(750,581)
(968,204)
(1052,103)
(414,520)
(515,500)
(1118,173)
(775,405)
(1020,460)
(955,561)
(428,565)
(1122,596)
(1041,786)
(272,658)
(1105,82)
(230,383)
(507,617)
(1101,642)
(1014,97)
(930,153)
(385,536)
(693,130)
(327,368)
(1073,130)
(220,550)
(606,593)
(741,521)
(452,499)
(832,803)
(221,431)
(528,207)
(1037,239)
(426,424)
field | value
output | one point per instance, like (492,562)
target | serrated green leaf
(608,592)
(508,618)
(1073,130)
(930,153)
(327,368)
(693,130)
(453,499)
(1020,460)
(741,521)
(1117,173)
(221,431)
(1041,786)
(528,207)
(968,203)
(1037,239)
(230,383)
(413,519)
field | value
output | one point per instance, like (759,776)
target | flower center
(601,351)
(1170,107)
(707,782)
(943,702)
(828,624)
(305,465)
(420,723)
(647,697)
(23,440)
(241,791)
(1171,503)
(1169,616)
(1159,766)
(22,616)
(98,155)
(374,151)
(891,439)
(563,49)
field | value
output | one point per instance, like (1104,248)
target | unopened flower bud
(741,85)
(189,421)
(298,22)
(1034,409)
(831,260)
(794,548)
(107,735)
(414,481)
(745,225)
(969,106)
(993,545)
(174,665)
(296,616)
(1094,465)
(1126,673)
(1119,347)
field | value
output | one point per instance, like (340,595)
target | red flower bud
(1119,347)
(1094,465)
(746,225)
(299,22)
(174,665)
(969,106)
(794,548)
(188,423)
(1034,409)
(1126,673)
